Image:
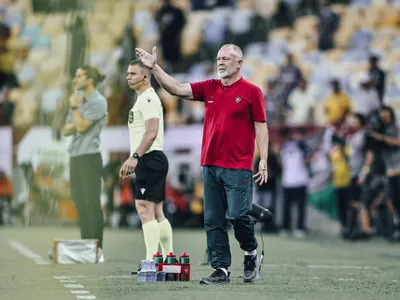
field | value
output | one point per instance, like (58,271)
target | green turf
(313,268)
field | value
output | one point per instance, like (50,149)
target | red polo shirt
(229,116)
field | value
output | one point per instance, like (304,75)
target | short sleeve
(150,108)
(95,110)
(258,107)
(199,89)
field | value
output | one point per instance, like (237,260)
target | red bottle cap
(184,254)
(171,255)
(158,254)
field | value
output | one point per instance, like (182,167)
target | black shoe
(250,266)
(138,270)
(218,277)
(360,236)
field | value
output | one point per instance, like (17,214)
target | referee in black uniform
(148,161)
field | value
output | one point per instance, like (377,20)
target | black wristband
(135,155)
(74,107)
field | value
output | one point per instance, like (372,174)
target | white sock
(252,253)
(225,271)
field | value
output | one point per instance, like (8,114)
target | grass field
(312,268)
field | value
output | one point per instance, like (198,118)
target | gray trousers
(227,197)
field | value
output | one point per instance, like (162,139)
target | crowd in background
(323,66)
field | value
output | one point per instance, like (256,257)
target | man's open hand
(149,60)
(262,175)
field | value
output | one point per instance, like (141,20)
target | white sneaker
(101,257)
(299,233)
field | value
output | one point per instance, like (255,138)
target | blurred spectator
(210,4)
(328,24)
(366,100)
(111,182)
(6,194)
(171,21)
(356,143)
(7,58)
(377,76)
(6,108)
(302,103)
(266,194)
(289,76)
(78,42)
(295,178)
(283,16)
(307,7)
(275,102)
(341,177)
(337,105)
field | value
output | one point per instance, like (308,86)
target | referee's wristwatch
(135,155)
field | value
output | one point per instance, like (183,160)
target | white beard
(223,74)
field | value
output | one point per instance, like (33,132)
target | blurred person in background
(78,41)
(6,195)
(235,116)
(378,76)
(328,24)
(302,103)
(171,21)
(111,181)
(388,134)
(339,156)
(148,161)
(266,194)
(365,100)
(337,105)
(357,152)
(6,108)
(85,121)
(7,58)
(289,76)
(294,155)
(372,180)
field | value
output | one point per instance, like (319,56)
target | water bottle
(171,259)
(184,260)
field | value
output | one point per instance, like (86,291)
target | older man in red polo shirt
(235,115)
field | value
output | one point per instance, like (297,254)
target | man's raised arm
(182,90)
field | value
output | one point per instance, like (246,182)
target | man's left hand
(128,167)
(262,175)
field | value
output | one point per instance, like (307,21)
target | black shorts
(355,190)
(373,185)
(151,176)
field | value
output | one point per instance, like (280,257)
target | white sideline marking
(25,251)
(80,292)
(75,286)
(78,289)
(349,267)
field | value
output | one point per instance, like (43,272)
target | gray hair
(236,48)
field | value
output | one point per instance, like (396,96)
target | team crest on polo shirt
(130,118)
(148,100)
(238,99)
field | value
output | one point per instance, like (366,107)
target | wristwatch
(135,155)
